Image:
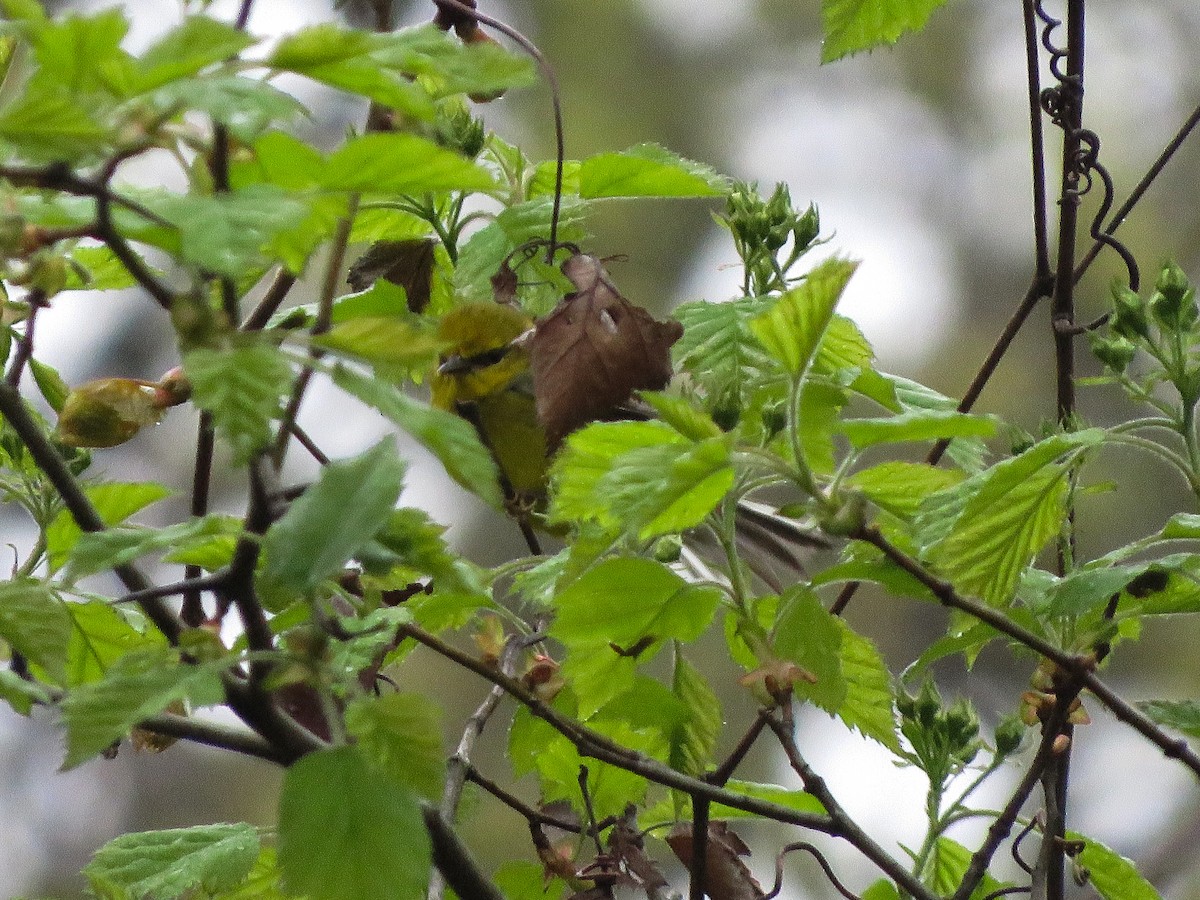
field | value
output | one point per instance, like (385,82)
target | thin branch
(189,585)
(13,409)
(1037,144)
(844,826)
(526,811)
(36,300)
(192,610)
(721,775)
(821,861)
(270,302)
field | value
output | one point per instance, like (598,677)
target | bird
(484,376)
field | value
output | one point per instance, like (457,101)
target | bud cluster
(762,228)
(1166,326)
(943,738)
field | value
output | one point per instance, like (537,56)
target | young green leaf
(1113,876)
(694,741)
(114,501)
(22,693)
(392,345)
(948,865)
(332,520)
(194,45)
(246,106)
(869,706)
(100,635)
(449,437)
(807,635)
(243,388)
(138,685)
(800,801)
(916,425)
(349,832)
(901,487)
(160,865)
(1182,715)
(95,551)
(50,126)
(35,622)
(855,25)
(402,735)
(647,170)
(792,328)
(400,163)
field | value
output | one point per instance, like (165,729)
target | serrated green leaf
(869,706)
(855,25)
(1087,589)
(647,170)
(104,271)
(100,635)
(394,346)
(917,425)
(243,389)
(1181,527)
(792,328)
(398,163)
(520,880)
(83,54)
(136,686)
(262,882)
(402,735)
(684,417)
(341,58)
(881,890)
(35,623)
(333,519)
(1182,715)
(164,864)
(807,635)
(95,551)
(800,801)
(982,533)
(1112,875)
(225,233)
(968,454)
(447,65)
(189,47)
(666,488)
(948,864)
(618,615)
(246,106)
(820,409)
(349,832)
(22,693)
(450,438)
(114,501)
(901,487)
(717,348)
(694,741)
(50,126)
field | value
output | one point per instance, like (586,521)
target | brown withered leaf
(626,845)
(407,263)
(593,351)
(726,876)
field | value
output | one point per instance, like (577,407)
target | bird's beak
(454,364)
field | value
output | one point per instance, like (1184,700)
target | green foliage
(777,399)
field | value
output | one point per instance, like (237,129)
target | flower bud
(1009,733)
(1115,352)
(1129,317)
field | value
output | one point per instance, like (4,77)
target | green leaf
(83,54)
(194,45)
(243,388)
(349,832)
(35,623)
(398,163)
(792,328)
(917,425)
(1182,715)
(341,58)
(1087,589)
(870,704)
(95,551)
(402,735)
(246,106)
(49,383)
(1113,876)
(138,685)
(394,346)
(447,65)
(1181,527)
(694,741)
(901,487)
(718,350)
(114,501)
(619,614)
(100,635)
(800,801)
(949,864)
(664,488)
(22,693)
(450,438)
(982,533)
(647,170)
(807,635)
(105,272)
(225,233)
(165,864)
(881,890)
(332,520)
(855,25)
(49,126)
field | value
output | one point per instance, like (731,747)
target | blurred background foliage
(918,160)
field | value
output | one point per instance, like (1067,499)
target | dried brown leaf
(407,263)
(593,351)
(726,876)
